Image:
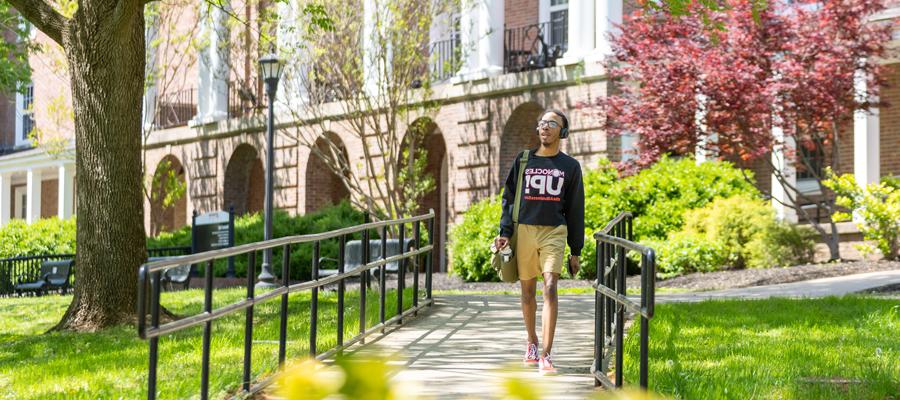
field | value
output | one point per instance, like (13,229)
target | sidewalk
(835,286)
(466,346)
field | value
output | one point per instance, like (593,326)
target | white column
(582,21)
(784,147)
(481,32)
(65,191)
(292,90)
(866,138)
(212,88)
(33,193)
(609,14)
(152,51)
(372,40)
(219,50)
(5,195)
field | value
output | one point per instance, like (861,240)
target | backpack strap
(523,161)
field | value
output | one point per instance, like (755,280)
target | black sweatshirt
(552,195)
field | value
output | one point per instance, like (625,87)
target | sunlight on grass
(113,363)
(794,349)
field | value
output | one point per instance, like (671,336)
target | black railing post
(154,341)
(401,275)
(620,309)
(340,300)
(645,323)
(285,281)
(314,302)
(598,314)
(381,279)
(229,273)
(428,260)
(416,264)
(207,330)
(363,278)
(248,323)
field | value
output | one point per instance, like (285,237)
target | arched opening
(323,186)
(436,167)
(168,196)
(244,181)
(518,134)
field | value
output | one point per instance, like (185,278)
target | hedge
(249,228)
(658,197)
(46,236)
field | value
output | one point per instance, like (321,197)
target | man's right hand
(501,242)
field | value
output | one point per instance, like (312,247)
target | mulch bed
(758,277)
(693,282)
(701,281)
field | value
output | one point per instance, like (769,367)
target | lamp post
(270,70)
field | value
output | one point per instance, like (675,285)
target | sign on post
(213,231)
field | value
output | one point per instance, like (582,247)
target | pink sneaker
(531,354)
(545,366)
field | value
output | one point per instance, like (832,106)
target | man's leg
(529,308)
(551,308)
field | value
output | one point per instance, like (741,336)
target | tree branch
(40,14)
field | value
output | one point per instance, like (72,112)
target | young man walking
(551,214)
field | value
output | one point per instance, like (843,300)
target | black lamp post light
(270,68)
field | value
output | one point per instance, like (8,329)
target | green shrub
(659,196)
(878,206)
(686,252)
(470,241)
(740,232)
(46,236)
(249,228)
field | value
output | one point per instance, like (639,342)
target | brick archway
(323,187)
(165,217)
(437,166)
(244,181)
(518,134)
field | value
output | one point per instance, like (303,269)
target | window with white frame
(556,14)
(24,115)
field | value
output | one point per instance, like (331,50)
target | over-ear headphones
(564,131)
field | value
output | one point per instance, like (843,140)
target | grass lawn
(112,364)
(829,348)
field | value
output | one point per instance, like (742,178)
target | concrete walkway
(467,345)
(834,286)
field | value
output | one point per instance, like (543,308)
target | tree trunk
(104,45)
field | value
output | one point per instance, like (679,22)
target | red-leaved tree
(724,81)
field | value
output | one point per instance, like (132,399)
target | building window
(27,112)
(559,24)
(814,158)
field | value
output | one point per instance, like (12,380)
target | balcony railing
(245,98)
(532,46)
(175,109)
(445,59)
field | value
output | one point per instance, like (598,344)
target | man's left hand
(574,265)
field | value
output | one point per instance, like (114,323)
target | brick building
(207,128)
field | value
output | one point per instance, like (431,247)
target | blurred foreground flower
(310,380)
(349,378)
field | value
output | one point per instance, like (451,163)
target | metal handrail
(268,244)
(149,294)
(610,300)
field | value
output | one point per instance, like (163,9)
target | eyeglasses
(552,124)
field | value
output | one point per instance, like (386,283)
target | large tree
(738,81)
(103,41)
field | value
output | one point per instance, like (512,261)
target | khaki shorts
(540,249)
